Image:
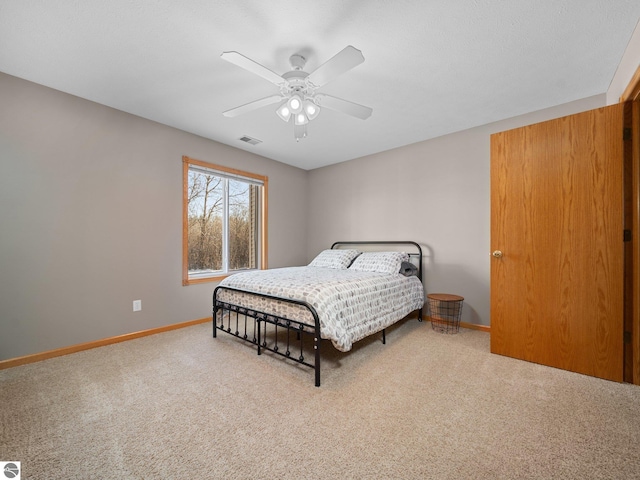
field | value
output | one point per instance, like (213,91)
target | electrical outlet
(137,305)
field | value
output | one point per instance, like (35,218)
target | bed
(348,292)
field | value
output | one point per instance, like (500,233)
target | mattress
(350,304)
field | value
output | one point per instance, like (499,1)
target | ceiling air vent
(252,141)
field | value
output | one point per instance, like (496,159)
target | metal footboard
(279,335)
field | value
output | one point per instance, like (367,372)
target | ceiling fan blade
(344,106)
(247,107)
(248,64)
(342,62)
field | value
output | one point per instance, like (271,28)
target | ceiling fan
(299,101)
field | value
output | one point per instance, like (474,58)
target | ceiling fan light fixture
(295,104)
(284,112)
(300,119)
(311,109)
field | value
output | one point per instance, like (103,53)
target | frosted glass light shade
(284,112)
(295,104)
(311,109)
(300,119)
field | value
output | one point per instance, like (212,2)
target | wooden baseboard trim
(471,326)
(38,357)
(476,326)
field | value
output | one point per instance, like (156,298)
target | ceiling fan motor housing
(297,61)
(295,84)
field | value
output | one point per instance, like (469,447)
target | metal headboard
(411,243)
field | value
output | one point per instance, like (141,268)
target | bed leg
(384,336)
(420,315)
(258,322)
(316,346)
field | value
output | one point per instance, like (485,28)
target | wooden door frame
(635,233)
(632,94)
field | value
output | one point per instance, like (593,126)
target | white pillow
(381,262)
(339,259)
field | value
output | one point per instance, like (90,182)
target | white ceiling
(431,67)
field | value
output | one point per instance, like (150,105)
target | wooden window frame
(262,234)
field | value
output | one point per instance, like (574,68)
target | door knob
(497,254)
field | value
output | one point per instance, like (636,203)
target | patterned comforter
(350,304)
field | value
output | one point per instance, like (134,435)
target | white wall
(91,219)
(435,192)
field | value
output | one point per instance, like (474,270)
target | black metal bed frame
(282,329)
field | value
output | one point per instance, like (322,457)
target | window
(224,221)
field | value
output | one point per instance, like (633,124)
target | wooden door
(557,218)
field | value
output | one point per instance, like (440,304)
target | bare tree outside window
(222,225)
(242,230)
(206,210)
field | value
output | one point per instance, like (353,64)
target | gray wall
(91,219)
(435,192)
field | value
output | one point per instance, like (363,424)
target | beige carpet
(182,405)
